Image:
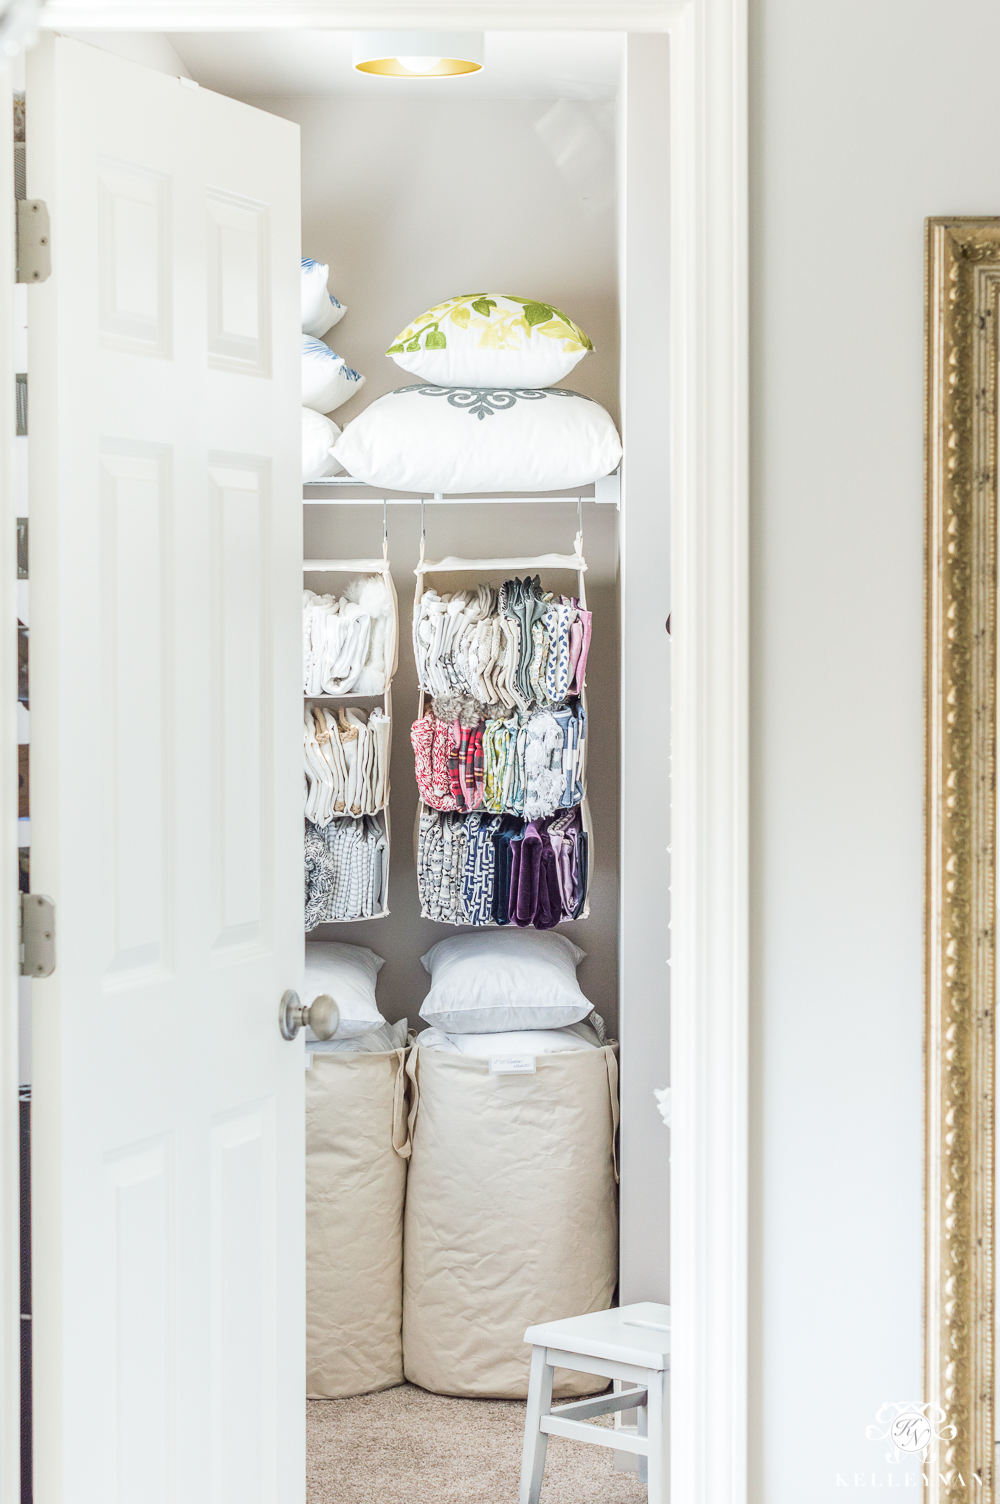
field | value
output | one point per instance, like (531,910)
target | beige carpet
(406,1446)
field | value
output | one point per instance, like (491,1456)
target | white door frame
(10,1217)
(709,484)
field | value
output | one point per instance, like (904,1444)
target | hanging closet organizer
(355,568)
(507,567)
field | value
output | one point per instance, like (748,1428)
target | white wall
(410,199)
(150,48)
(867,115)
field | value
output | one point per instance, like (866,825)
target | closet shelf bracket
(608,490)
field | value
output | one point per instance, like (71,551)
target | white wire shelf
(605,492)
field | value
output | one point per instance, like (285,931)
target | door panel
(166,580)
(239,305)
(243,1299)
(239,501)
(138,1208)
(134,251)
(136,689)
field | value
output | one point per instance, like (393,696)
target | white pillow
(518,1042)
(491,339)
(503,979)
(327,379)
(462,439)
(320,309)
(347,973)
(319,435)
(379,1042)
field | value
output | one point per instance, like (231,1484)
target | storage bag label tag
(512,1065)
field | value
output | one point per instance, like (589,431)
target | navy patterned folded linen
(488,869)
(508,838)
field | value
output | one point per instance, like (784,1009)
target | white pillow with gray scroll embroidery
(475,439)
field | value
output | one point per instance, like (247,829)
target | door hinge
(34,251)
(38,935)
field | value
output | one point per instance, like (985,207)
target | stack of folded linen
(346,762)
(335,637)
(516,647)
(500,755)
(468,757)
(347,641)
(498,869)
(346,869)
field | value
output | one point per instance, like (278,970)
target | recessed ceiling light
(418,54)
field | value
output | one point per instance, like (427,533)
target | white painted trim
(645,595)
(710,488)
(351,15)
(709,299)
(10,1202)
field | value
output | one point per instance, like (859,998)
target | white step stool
(629,1345)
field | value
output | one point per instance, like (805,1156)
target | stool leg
(627,1462)
(535,1440)
(658,1422)
(642,1429)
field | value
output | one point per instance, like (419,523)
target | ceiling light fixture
(418,54)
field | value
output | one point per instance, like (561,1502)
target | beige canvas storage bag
(511,1215)
(356,1152)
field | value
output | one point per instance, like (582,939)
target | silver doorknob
(322,1015)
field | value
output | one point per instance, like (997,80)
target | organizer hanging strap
(401,1139)
(611,1062)
(581,588)
(385,533)
(411,1071)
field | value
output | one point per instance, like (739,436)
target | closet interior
(463,736)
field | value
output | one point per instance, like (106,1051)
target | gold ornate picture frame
(962,371)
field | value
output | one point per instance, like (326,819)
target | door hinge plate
(38,935)
(34,248)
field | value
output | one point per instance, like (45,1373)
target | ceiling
(518,65)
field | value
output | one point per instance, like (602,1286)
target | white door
(166,823)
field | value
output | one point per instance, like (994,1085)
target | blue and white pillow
(327,379)
(320,309)
(319,435)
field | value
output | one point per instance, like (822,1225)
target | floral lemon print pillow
(491,340)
